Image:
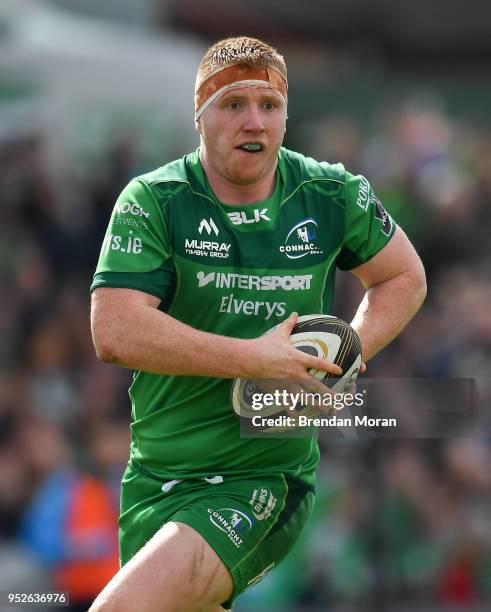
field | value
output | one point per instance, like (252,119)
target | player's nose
(254,120)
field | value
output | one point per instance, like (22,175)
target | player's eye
(269,105)
(234,105)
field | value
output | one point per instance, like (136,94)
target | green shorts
(251,522)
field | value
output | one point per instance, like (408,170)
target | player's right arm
(129,330)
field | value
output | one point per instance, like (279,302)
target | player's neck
(232,193)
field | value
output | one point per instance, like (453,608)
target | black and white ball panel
(333,339)
(319,335)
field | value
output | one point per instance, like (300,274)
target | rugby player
(201,257)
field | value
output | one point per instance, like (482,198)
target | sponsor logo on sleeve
(136,223)
(130,214)
(301,240)
(123,208)
(363,194)
(383,216)
(232,522)
(122,244)
(366,196)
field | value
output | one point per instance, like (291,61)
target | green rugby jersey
(235,271)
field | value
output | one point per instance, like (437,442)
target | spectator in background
(69,524)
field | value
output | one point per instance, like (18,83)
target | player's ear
(197,126)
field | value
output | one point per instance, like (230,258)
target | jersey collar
(199,183)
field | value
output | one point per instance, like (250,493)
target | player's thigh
(176,571)
(252,524)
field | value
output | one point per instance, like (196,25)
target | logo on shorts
(231,521)
(261,575)
(263,503)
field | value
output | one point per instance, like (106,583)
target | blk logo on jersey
(243,217)
(300,240)
(208,226)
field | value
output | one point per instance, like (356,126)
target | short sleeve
(368,227)
(135,252)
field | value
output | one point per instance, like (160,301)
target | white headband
(225,88)
(221,80)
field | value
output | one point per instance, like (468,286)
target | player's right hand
(273,356)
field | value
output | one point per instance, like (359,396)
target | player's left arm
(395,284)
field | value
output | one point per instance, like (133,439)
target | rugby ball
(320,335)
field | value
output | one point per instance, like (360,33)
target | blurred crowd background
(92,94)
